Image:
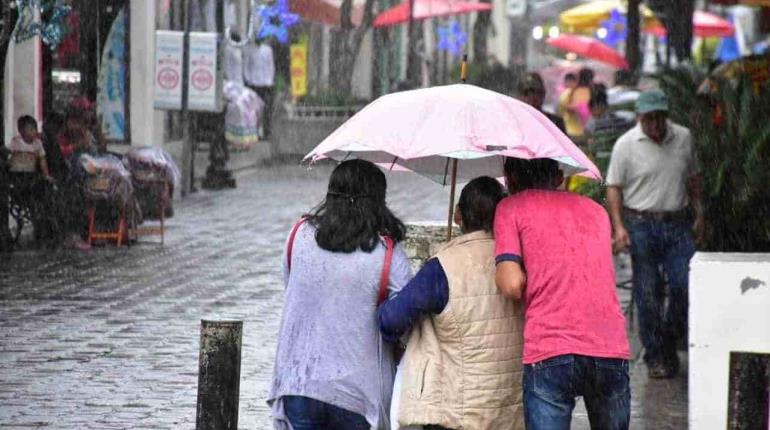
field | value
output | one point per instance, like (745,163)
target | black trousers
(266,94)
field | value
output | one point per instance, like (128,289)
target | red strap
(385,270)
(291,241)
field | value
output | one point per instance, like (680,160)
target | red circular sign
(202,80)
(168,78)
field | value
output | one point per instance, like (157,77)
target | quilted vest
(462,367)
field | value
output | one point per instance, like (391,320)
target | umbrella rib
(393,163)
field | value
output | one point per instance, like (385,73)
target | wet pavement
(108,338)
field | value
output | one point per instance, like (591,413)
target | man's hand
(699,230)
(621,241)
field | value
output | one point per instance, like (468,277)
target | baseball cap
(652,101)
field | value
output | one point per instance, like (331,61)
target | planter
(298,129)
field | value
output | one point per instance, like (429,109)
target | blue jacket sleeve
(427,293)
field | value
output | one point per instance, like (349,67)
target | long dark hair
(354,214)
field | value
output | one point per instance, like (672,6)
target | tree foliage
(732,140)
(346,44)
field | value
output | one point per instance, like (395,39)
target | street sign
(515,8)
(298,53)
(202,94)
(169,51)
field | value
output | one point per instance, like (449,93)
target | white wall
(146,122)
(22,84)
(726,314)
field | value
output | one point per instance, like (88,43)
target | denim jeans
(550,388)
(305,413)
(654,245)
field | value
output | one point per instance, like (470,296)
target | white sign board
(515,8)
(169,51)
(202,92)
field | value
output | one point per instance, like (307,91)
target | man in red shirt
(554,252)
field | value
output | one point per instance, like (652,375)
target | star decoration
(276,21)
(52,31)
(452,38)
(616,27)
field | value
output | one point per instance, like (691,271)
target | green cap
(651,101)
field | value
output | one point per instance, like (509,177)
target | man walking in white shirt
(259,74)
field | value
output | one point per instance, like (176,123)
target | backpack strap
(383,295)
(290,246)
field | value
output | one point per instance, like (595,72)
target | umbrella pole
(452,200)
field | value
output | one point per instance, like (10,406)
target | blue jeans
(670,245)
(305,413)
(550,388)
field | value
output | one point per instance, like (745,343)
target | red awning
(321,12)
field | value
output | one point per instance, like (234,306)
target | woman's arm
(427,293)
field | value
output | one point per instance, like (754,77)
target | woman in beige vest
(462,366)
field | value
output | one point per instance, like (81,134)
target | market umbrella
(590,48)
(704,24)
(451,134)
(424,9)
(589,16)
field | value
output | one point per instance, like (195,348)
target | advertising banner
(169,51)
(202,83)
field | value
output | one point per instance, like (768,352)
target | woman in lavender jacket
(332,369)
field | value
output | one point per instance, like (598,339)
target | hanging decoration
(274,21)
(614,29)
(52,31)
(452,38)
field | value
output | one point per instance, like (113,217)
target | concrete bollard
(219,375)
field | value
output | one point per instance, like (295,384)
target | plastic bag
(150,163)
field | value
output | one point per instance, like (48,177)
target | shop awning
(323,11)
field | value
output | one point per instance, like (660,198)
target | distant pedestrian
(462,367)
(531,90)
(573,105)
(332,369)
(259,74)
(554,254)
(653,194)
(604,127)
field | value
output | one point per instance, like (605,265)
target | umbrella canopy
(704,24)
(589,47)
(424,9)
(589,16)
(423,130)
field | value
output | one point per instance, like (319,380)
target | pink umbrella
(424,9)
(590,48)
(704,24)
(428,131)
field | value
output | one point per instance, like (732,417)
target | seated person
(462,366)
(32,183)
(26,149)
(75,136)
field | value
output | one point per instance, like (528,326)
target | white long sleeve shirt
(259,67)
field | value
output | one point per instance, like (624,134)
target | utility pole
(188,157)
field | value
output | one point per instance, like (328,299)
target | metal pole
(188,158)
(410,41)
(452,200)
(219,375)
